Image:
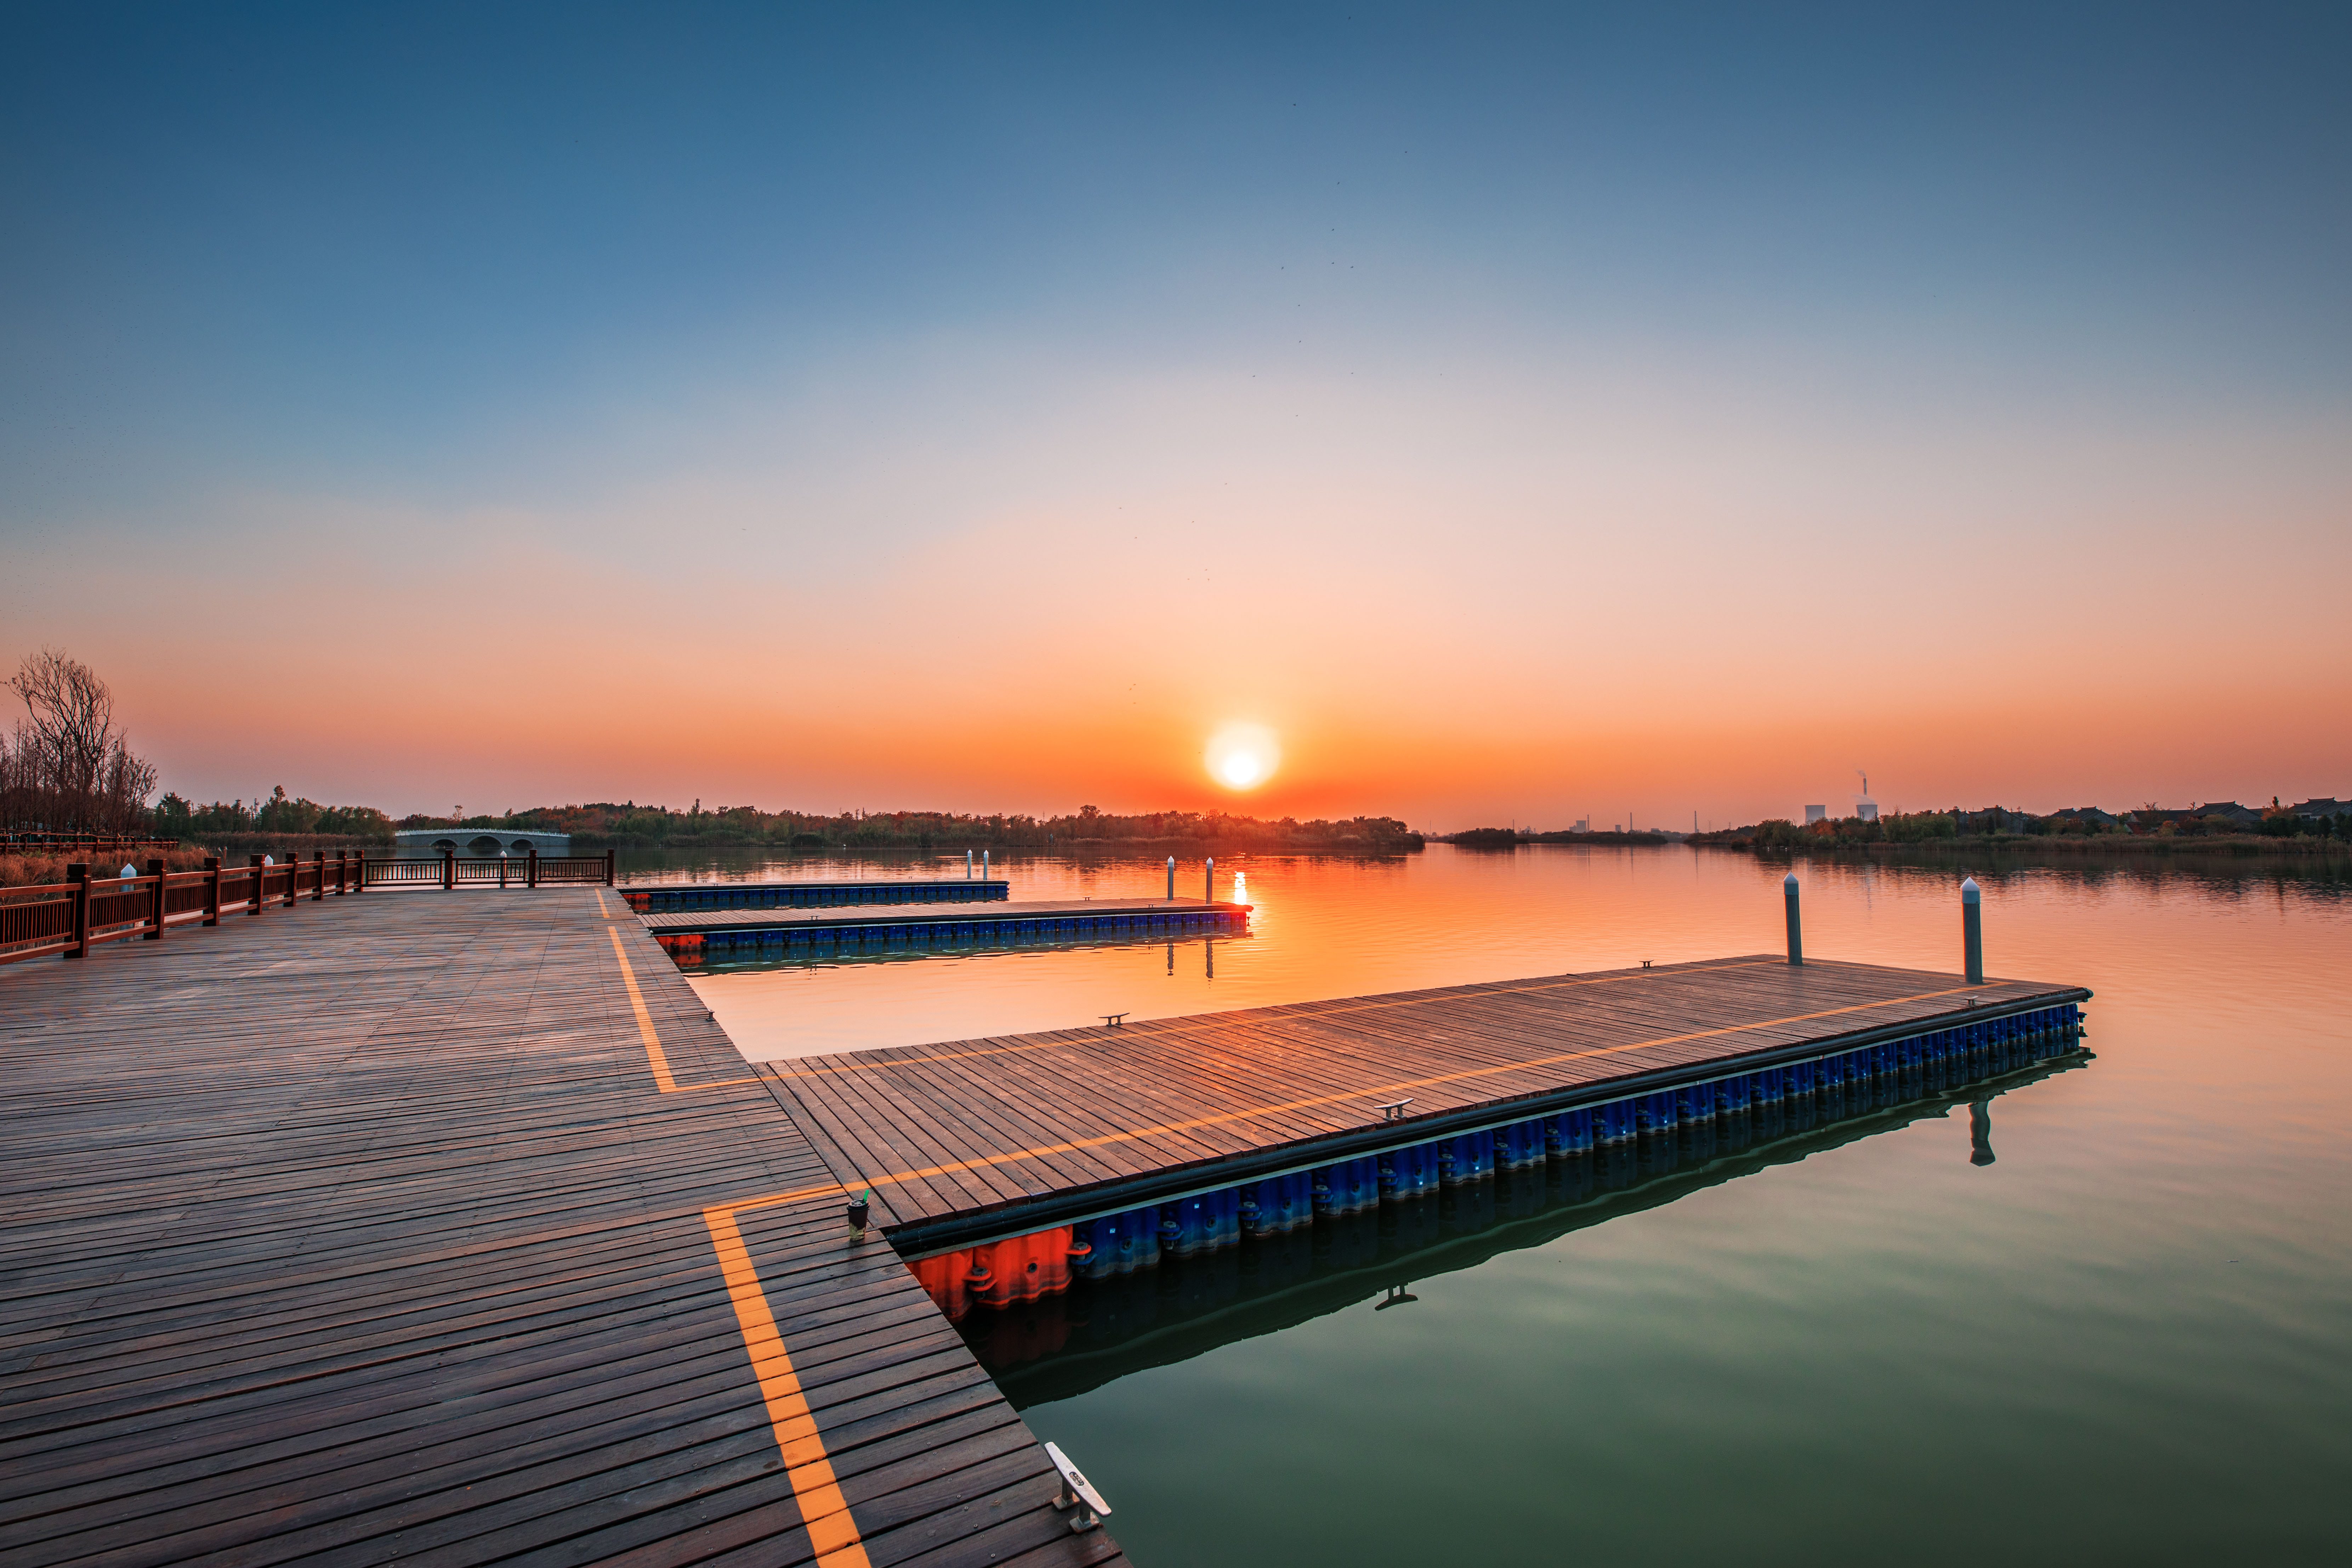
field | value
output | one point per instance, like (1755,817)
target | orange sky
(1596,423)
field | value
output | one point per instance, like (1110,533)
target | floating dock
(452,1226)
(752,933)
(670,899)
(972,1138)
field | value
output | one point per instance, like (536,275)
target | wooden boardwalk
(446,1228)
(1039,1129)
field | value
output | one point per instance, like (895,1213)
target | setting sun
(1242,756)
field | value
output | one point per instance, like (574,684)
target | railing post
(319,868)
(78,875)
(293,877)
(502,870)
(608,867)
(448,868)
(1973,930)
(155,910)
(531,871)
(342,869)
(259,881)
(1796,932)
(212,890)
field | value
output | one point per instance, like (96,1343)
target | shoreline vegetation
(2315,829)
(1512,838)
(629,826)
(281,824)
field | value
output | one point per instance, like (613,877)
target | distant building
(484,842)
(1816,814)
(2323,806)
(1583,825)
(2090,815)
(1866,809)
(2230,810)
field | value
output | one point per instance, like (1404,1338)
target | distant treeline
(276,817)
(2084,828)
(1512,838)
(628,825)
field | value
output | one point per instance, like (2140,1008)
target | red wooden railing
(69,917)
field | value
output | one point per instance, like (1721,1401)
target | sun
(1242,756)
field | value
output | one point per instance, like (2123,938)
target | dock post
(1972,930)
(1209,882)
(967,865)
(983,865)
(1796,932)
(78,878)
(1171,878)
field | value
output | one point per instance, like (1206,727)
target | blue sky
(870,294)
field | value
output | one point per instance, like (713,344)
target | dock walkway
(450,1230)
(726,933)
(667,898)
(961,1139)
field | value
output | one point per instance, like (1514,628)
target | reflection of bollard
(1973,930)
(1796,933)
(1980,1133)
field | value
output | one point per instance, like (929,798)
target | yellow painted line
(1353,1096)
(833,1532)
(654,1057)
(1146,1031)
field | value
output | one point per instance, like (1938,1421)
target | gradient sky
(1523,413)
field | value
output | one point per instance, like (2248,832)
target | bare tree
(68,765)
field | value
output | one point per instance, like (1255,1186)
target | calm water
(2127,1338)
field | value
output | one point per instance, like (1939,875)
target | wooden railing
(69,917)
(531,870)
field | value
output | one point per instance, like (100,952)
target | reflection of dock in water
(746,934)
(1105,1324)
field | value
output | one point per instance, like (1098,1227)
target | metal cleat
(1077,1494)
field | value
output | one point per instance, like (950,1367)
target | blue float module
(747,933)
(1694,1119)
(670,899)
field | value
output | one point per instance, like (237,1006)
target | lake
(2128,1337)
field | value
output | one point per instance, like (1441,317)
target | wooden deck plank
(368,1232)
(1074,1108)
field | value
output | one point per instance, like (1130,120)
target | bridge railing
(449,869)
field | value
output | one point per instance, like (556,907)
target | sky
(1509,413)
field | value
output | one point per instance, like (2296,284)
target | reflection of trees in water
(1099,1330)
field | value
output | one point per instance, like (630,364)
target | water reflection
(1097,1300)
